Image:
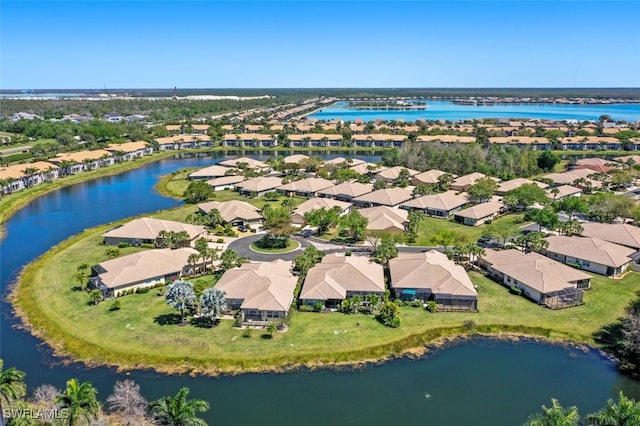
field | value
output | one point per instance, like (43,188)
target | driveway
(241,246)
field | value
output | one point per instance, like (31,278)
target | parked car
(242,228)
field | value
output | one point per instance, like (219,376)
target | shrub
(115,306)
(469,325)
(416,303)
(238,320)
(220,240)
(318,306)
(247,333)
(95,297)
(147,246)
(306,308)
(515,290)
(122,244)
(574,265)
(432,306)
(398,302)
(253,231)
(219,233)
(143,290)
(347,253)
(389,315)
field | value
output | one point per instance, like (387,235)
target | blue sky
(229,44)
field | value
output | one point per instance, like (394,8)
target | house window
(586,263)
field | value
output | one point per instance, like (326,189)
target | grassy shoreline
(42,299)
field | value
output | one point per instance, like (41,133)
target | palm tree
(288,204)
(555,416)
(12,387)
(554,191)
(626,412)
(178,410)
(193,260)
(28,176)
(181,296)
(79,399)
(213,303)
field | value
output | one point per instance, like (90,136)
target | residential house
(346,191)
(431,276)
(563,191)
(129,150)
(480,213)
(200,129)
(338,161)
(391,197)
(312,140)
(234,212)
(590,254)
(338,277)
(462,183)
(628,159)
(541,279)
(76,162)
(260,291)
(446,139)
(225,182)
(380,140)
(580,143)
(258,186)
(183,142)
(305,187)
(568,178)
(20,176)
(512,184)
(532,142)
(146,230)
(295,159)
(383,218)
(439,205)
(249,162)
(391,174)
(596,164)
(210,172)
(144,269)
(619,233)
(297,217)
(430,177)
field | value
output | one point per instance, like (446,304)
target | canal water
(446,110)
(481,381)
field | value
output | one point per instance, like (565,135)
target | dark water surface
(478,382)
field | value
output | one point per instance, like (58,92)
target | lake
(446,110)
(482,381)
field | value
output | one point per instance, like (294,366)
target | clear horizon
(319,45)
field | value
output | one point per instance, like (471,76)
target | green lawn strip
(431,225)
(136,335)
(291,246)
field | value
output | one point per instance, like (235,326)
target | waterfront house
(439,205)
(446,139)
(254,140)
(340,161)
(183,142)
(531,142)
(628,159)
(480,213)
(346,191)
(210,172)
(512,184)
(225,182)
(383,218)
(144,269)
(258,186)
(146,230)
(619,233)
(540,279)
(261,292)
(391,197)
(249,162)
(20,176)
(430,177)
(129,150)
(200,129)
(297,217)
(295,159)
(462,183)
(76,162)
(431,276)
(379,140)
(314,140)
(590,254)
(234,212)
(391,174)
(367,168)
(338,277)
(592,143)
(304,187)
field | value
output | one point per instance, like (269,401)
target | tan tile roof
(350,189)
(470,179)
(429,177)
(379,137)
(295,158)
(383,218)
(260,184)
(430,270)
(527,140)
(231,210)
(182,138)
(363,168)
(225,180)
(247,137)
(512,184)
(200,126)
(80,156)
(482,210)
(623,234)
(448,200)
(142,266)
(128,146)
(337,274)
(625,158)
(265,286)
(306,185)
(564,190)
(16,171)
(590,139)
(393,173)
(147,228)
(314,137)
(534,270)
(211,171)
(253,164)
(591,249)
(446,138)
(570,177)
(173,127)
(339,160)
(387,196)
(319,203)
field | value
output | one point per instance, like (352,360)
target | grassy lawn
(431,225)
(143,333)
(291,245)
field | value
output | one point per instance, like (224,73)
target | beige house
(462,183)
(183,142)
(250,162)
(384,197)
(341,160)
(146,231)
(225,182)
(532,142)
(563,191)
(295,159)
(590,254)
(430,177)
(446,139)
(346,191)
(310,140)
(20,176)
(623,234)
(480,213)
(512,184)
(381,140)
(383,218)
(305,187)
(439,205)
(568,178)
(297,217)
(431,276)
(258,186)
(541,279)
(140,270)
(210,172)
(129,150)
(249,139)
(392,173)
(234,212)
(83,160)
(367,168)
(339,277)
(260,291)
